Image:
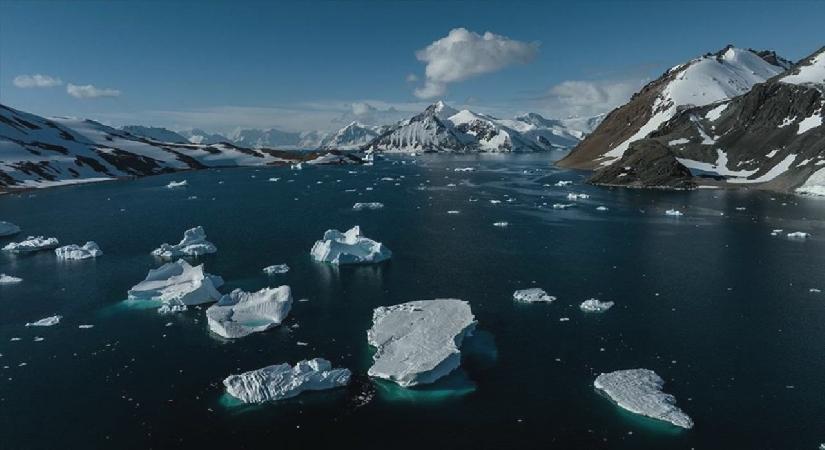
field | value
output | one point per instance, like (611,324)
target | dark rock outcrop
(646,164)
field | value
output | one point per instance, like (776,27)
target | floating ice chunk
(172,308)
(814,290)
(369,205)
(563,205)
(595,306)
(74,251)
(85,326)
(673,212)
(276,269)
(349,248)
(8,279)
(601,208)
(419,342)
(45,322)
(776,232)
(501,224)
(798,235)
(242,313)
(8,228)
(495,202)
(563,183)
(32,244)
(273,179)
(533,295)
(178,283)
(194,243)
(177,184)
(572,196)
(464,169)
(640,391)
(453,211)
(282,381)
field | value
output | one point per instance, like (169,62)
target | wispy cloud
(36,81)
(90,91)
(463,54)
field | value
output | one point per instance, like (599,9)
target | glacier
(282,381)
(32,244)
(177,283)
(419,342)
(74,251)
(640,391)
(242,313)
(350,247)
(194,243)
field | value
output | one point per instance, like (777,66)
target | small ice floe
(563,183)
(282,381)
(368,205)
(177,184)
(564,319)
(274,179)
(595,306)
(349,248)
(38,339)
(453,211)
(276,269)
(776,232)
(501,224)
(814,290)
(495,202)
(640,391)
(419,342)
(601,208)
(463,169)
(572,196)
(8,228)
(85,326)
(192,197)
(563,205)
(32,244)
(798,235)
(8,279)
(178,284)
(673,212)
(740,208)
(45,322)
(194,243)
(297,166)
(242,313)
(74,251)
(533,295)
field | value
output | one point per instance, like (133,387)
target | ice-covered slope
(702,81)
(198,136)
(155,134)
(351,137)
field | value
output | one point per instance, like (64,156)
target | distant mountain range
(735,117)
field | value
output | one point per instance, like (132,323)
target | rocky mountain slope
(701,81)
(155,134)
(40,152)
(772,137)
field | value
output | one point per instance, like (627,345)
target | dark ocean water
(711,301)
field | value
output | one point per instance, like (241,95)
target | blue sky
(308,65)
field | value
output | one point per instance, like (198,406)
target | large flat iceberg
(419,342)
(194,243)
(178,284)
(242,313)
(32,244)
(74,251)
(45,322)
(282,381)
(8,228)
(640,391)
(349,248)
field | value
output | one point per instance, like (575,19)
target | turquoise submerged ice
(281,381)
(242,313)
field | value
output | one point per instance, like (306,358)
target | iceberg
(798,235)
(194,243)
(674,212)
(8,228)
(562,183)
(640,391)
(594,305)
(369,205)
(572,196)
(533,295)
(276,269)
(176,184)
(501,224)
(242,313)
(32,244)
(419,342)
(281,381)
(178,283)
(8,279)
(45,322)
(562,205)
(73,251)
(349,248)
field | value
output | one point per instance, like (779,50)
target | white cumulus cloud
(463,54)
(586,97)
(90,91)
(36,81)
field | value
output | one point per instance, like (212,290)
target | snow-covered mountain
(708,79)
(351,137)
(441,128)
(198,136)
(771,137)
(40,152)
(155,134)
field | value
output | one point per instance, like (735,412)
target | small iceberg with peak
(350,247)
(32,244)
(640,391)
(282,381)
(194,243)
(8,228)
(76,252)
(419,342)
(177,285)
(242,313)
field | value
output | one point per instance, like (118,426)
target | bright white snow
(349,248)
(813,73)
(242,313)
(640,391)
(194,243)
(281,381)
(809,123)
